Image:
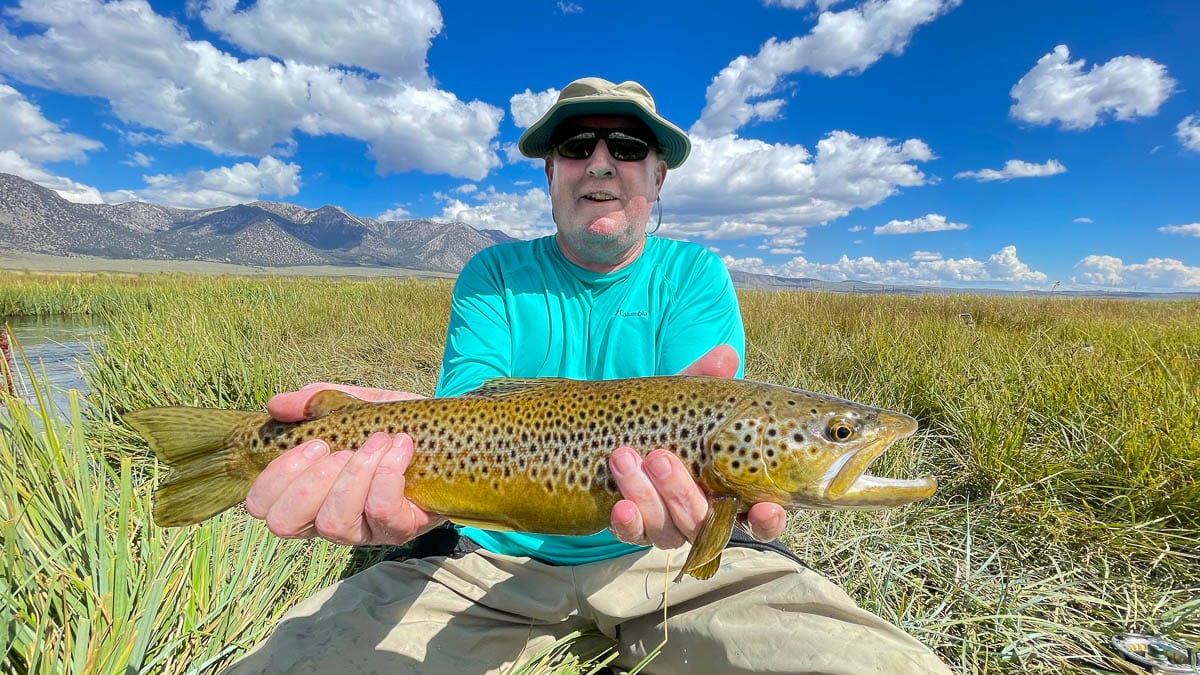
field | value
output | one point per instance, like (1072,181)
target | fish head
(807,450)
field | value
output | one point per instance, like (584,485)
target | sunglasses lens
(578,147)
(627,148)
(621,146)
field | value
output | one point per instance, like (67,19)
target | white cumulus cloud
(395,213)
(1058,89)
(1190,230)
(155,77)
(848,41)
(933,222)
(1156,274)
(523,215)
(821,5)
(1188,132)
(1015,168)
(27,132)
(734,187)
(13,162)
(389,37)
(527,107)
(1002,268)
(222,186)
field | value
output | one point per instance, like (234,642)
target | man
(600,299)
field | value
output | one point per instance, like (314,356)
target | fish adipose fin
(207,475)
(330,400)
(705,557)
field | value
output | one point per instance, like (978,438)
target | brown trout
(532,454)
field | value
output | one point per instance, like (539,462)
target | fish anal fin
(329,400)
(706,570)
(501,387)
(705,557)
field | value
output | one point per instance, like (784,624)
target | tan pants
(485,613)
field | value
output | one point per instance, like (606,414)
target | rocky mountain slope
(271,234)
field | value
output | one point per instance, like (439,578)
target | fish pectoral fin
(329,400)
(501,387)
(705,557)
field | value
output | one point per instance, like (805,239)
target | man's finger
(626,524)
(341,516)
(280,473)
(631,479)
(764,521)
(390,518)
(686,505)
(294,513)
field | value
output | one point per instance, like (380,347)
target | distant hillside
(34,219)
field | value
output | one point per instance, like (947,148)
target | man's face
(601,204)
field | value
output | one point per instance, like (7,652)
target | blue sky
(964,143)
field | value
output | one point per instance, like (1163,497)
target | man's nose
(601,163)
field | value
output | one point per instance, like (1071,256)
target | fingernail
(658,465)
(623,461)
(316,450)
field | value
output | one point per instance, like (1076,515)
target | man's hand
(663,505)
(348,497)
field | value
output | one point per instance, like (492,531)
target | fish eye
(840,431)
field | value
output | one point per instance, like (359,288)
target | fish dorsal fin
(329,400)
(503,387)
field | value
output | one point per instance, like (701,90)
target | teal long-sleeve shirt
(523,310)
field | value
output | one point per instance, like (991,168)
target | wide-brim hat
(597,96)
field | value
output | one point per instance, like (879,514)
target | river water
(58,348)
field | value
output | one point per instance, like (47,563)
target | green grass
(1065,434)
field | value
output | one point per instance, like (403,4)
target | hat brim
(673,143)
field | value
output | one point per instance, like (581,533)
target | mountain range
(34,219)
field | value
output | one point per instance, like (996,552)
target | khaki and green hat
(596,96)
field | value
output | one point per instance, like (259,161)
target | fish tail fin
(209,473)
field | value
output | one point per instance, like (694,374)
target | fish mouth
(850,487)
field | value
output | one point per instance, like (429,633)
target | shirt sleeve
(479,337)
(703,313)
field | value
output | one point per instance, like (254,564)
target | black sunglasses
(621,145)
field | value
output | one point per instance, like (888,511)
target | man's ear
(660,174)
(549,173)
